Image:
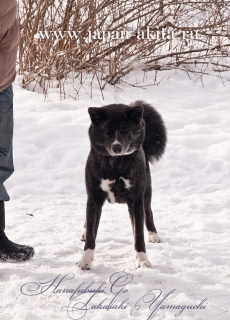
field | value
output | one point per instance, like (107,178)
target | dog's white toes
(142,260)
(82,235)
(86,259)
(84,265)
(153,237)
(143,264)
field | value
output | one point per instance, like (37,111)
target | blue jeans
(6,139)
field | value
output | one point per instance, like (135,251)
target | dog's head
(116,130)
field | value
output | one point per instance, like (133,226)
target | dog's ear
(96,114)
(135,113)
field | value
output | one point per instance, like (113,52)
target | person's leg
(6,138)
(9,251)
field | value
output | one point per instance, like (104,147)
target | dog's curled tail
(155,132)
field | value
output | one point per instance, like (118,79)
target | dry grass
(44,60)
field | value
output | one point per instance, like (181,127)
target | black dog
(124,139)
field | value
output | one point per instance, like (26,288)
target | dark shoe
(10,251)
(16,253)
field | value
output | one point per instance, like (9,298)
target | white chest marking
(126,182)
(105,186)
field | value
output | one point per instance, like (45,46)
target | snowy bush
(106,39)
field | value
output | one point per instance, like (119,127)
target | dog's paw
(142,260)
(86,260)
(153,237)
(143,264)
(82,235)
(84,265)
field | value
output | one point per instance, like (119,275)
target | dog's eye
(107,132)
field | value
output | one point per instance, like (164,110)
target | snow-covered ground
(190,274)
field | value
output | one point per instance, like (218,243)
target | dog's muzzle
(117,148)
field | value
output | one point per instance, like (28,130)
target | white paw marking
(105,186)
(86,260)
(82,235)
(142,260)
(153,237)
(127,183)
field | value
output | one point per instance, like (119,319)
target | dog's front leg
(136,211)
(93,214)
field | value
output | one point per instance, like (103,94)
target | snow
(191,187)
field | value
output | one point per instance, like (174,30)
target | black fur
(155,133)
(123,140)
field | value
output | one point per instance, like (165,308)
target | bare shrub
(125,35)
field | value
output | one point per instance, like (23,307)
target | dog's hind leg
(136,211)
(149,223)
(93,214)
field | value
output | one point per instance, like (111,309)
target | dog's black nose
(117,148)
